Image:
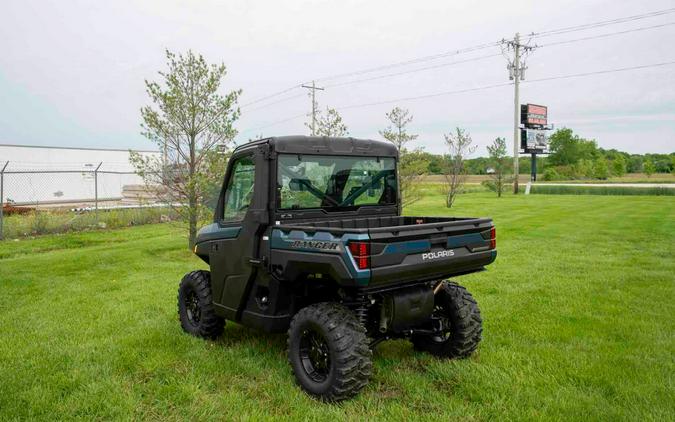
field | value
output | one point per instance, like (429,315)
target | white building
(42,175)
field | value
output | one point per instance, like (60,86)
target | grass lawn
(579,313)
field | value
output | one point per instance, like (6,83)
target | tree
(648,167)
(619,165)
(396,132)
(192,124)
(330,124)
(600,168)
(411,164)
(567,148)
(499,161)
(459,147)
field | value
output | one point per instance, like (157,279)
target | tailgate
(430,251)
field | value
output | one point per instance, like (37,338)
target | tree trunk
(192,222)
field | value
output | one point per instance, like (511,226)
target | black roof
(299,144)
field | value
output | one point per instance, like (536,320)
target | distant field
(578,313)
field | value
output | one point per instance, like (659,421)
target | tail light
(361,253)
(493,238)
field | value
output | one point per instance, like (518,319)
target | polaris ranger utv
(308,238)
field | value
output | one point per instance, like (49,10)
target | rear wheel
(329,351)
(195,306)
(462,325)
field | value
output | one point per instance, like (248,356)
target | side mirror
(298,185)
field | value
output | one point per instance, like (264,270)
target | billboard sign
(533,115)
(533,139)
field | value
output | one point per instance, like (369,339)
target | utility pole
(313,87)
(516,68)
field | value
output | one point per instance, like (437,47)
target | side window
(239,191)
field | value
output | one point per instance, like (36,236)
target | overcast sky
(72,72)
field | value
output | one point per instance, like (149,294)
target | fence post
(2,198)
(96,189)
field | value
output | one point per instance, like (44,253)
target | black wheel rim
(314,355)
(192,308)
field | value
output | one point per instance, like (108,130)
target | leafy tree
(584,168)
(192,124)
(634,164)
(459,147)
(396,132)
(330,124)
(499,162)
(648,167)
(619,165)
(567,148)
(601,169)
(412,165)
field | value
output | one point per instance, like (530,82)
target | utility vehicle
(308,238)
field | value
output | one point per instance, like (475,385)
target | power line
(276,94)
(541,34)
(283,100)
(592,37)
(420,97)
(600,72)
(599,24)
(389,75)
(273,123)
(411,61)
(480,88)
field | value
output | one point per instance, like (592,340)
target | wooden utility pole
(516,69)
(313,87)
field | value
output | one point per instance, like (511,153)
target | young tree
(396,132)
(619,165)
(601,168)
(499,161)
(648,167)
(192,124)
(459,147)
(330,124)
(411,164)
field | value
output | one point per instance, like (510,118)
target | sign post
(533,135)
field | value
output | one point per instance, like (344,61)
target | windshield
(335,182)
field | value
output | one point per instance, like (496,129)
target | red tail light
(493,238)
(361,253)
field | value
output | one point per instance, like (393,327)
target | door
(235,245)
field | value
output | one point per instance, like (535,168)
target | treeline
(571,157)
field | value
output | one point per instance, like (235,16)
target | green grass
(578,312)
(580,189)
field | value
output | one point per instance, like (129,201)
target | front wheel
(460,319)
(329,351)
(195,306)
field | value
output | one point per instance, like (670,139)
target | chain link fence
(52,198)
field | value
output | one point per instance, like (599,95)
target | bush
(61,221)
(600,190)
(550,174)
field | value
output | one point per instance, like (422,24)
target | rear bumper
(415,268)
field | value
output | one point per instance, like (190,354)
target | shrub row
(600,190)
(60,221)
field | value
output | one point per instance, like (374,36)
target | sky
(72,72)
